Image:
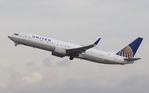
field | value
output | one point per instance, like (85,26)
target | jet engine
(60,52)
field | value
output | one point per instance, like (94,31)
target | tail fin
(130,50)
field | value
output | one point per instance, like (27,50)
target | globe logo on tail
(126,52)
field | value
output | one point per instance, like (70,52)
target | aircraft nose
(10,37)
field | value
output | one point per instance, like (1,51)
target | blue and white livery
(62,49)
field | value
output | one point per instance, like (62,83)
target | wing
(76,51)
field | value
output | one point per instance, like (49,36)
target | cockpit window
(16,34)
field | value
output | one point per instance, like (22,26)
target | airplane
(62,49)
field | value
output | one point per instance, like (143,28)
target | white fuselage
(50,44)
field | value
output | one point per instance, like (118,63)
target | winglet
(97,42)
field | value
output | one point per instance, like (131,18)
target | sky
(117,22)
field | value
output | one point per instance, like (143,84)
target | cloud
(47,62)
(33,78)
(2,85)
(78,76)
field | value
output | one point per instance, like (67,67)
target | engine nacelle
(60,52)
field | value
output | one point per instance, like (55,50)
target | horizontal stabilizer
(132,59)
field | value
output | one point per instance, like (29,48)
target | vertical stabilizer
(130,50)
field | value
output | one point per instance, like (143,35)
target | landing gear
(71,58)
